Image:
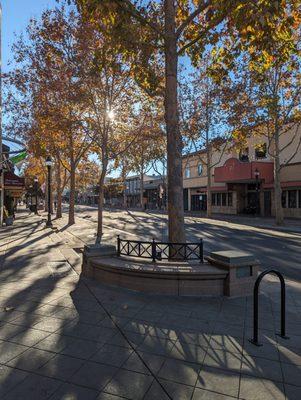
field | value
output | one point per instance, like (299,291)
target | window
(200,169)
(283,198)
(213,199)
(244,154)
(218,199)
(230,201)
(299,192)
(260,151)
(292,199)
(224,199)
(187,172)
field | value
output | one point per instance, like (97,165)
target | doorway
(267,204)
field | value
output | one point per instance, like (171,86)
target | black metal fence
(160,250)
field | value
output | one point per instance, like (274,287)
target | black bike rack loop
(255,305)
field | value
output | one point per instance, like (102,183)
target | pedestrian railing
(158,251)
(254,340)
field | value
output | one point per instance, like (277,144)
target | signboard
(11,180)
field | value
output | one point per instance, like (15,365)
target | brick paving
(66,337)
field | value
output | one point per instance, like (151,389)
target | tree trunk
(141,188)
(209,197)
(176,228)
(59,191)
(277,184)
(71,220)
(100,205)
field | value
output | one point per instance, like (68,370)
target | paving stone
(9,378)
(31,360)
(94,375)
(107,396)
(50,324)
(290,355)
(219,380)
(129,384)
(292,392)
(112,355)
(8,330)
(54,343)
(61,367)
(188,352)
(223,359)
(72,392)
(79,348)
(8,351)
(268,350)
(152,361)
(174,390)
(200,394)
(34,388)
(154,345)
(261,367)
(29,337)
(180,371)
(227,343)
(292,374)
(252,388)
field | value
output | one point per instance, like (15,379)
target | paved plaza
(66,337)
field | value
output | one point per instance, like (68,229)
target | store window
(218,199)
(200,169)
(292,198)
(187,172)
(224,199)
(244,154)
(213,199)
(260,151)
(299,195)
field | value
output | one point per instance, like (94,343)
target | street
(274,248)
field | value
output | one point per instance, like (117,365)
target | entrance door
(267,204)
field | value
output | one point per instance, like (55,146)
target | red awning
(237,171)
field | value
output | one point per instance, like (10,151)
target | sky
(16,15)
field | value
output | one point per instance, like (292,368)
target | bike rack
(255,305)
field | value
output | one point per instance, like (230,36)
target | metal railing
(254,340)
(158,251)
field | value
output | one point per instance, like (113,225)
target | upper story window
(200,169)
(260,151)
(244,154)
(187,172)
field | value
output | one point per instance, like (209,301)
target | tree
(203,121)
(266,101)
(146,31)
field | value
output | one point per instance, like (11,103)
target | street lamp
(49,163)
(257,174)
(36,194)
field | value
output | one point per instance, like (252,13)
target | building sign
(13,181)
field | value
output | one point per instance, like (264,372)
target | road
(277,249)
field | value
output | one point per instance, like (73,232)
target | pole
(49,223)
(1,150)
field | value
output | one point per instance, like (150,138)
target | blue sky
(16,15)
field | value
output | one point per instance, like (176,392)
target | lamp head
(48,162)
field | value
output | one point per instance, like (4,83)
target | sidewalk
(66,337)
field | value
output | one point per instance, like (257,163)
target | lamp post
(257,174)
(49,165)
(36,194)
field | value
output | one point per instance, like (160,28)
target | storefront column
(189,200)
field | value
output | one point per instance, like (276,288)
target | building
(13,185)
(243,181)
(154,191)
